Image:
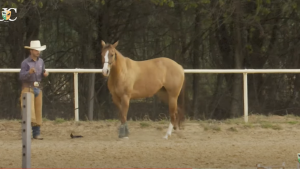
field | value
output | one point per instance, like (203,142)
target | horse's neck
(120,65)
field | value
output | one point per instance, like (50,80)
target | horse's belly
(144,92)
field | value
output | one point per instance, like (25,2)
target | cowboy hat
(36,45)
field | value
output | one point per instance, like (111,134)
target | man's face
(35,53)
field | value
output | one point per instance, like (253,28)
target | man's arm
(24,72)
(43,69)
(44,73)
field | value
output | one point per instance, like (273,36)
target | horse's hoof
(166,136)
(124,138)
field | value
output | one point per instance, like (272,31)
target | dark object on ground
(74,136)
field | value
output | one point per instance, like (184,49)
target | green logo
(298,157)
(4,15)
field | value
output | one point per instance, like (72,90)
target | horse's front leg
(123,131)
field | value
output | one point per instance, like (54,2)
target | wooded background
(198,34)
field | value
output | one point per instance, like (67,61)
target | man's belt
(31,84)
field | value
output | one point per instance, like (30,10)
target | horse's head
(108,57)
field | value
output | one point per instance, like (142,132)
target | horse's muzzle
(105,72)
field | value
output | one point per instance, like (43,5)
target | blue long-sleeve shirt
(28,63)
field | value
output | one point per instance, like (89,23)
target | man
(31,75)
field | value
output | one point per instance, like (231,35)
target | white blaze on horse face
(105,70)
(169,132)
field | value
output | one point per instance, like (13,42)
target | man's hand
(46,73)
(32,70)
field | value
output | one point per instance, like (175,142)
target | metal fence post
(26,130)
(76,96)
(245,80)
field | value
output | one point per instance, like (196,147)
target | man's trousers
(36,106)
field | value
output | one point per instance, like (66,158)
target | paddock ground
(265,140)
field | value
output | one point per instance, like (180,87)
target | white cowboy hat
(36,45)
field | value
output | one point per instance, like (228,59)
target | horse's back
(161,63)
(153,74)
(169,71)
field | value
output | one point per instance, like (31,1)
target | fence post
(26,130)
(76,96)
(245,80)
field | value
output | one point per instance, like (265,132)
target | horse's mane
(109,46)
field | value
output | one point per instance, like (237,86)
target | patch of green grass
(271,126)
(266,125)
(293,122)
(233,129)
(144,125)
(259,118)
(162,122)
(248,125)
(78,123)
(211,127)
(233,121)
(111,120)
(159,128)
(59,120)
(276,127)
(45,119)
(206,128)
(291,116)
(210,121)
(216,127)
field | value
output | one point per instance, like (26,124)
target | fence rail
(245,72)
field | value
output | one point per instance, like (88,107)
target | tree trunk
(91,95)
(237,88)
(196,64)
(103,24)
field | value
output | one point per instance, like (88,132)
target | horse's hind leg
(172,102)
(163,95)
(173,113)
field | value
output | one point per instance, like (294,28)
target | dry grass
(220,143)
(144,125)
(232,129)
(255,121)
(213,127)
(269,125)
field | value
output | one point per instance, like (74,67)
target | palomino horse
(129,79)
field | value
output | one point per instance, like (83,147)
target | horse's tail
(181,105)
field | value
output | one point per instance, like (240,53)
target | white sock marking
(169,132)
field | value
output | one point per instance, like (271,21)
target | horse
(129,79)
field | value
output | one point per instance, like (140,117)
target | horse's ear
(102,43)
(115,44)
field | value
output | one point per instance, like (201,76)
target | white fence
(243,71)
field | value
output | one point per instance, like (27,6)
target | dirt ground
(268,141)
